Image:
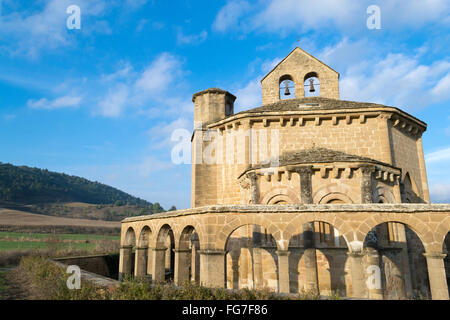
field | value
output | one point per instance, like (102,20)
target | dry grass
(46,280)
(17,218)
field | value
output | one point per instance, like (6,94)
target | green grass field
(22,235)
(26,241)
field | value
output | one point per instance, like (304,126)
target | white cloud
(249,96)
(161,72)
(397,79)
(192,38)
(30,32)
(229,15)
(346,15)
(149,91)
(161,133)
(58,103)
(438,169)
(306,14)
(113,104)
(442,89)
(123,73)
(438,156)
(440,192)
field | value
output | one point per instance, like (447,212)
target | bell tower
(300,73)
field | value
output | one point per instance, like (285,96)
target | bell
(286,92)
(311,85)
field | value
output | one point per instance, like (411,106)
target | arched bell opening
(287,87)
(312,84)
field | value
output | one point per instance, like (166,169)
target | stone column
(311,277)
(258,282)
(436,275)
(149,263)
(212,268)
(158,264)
(366,184)
(283,270)
(254,187)
(125,262)
(375,285)
(357,274)
(405,265)
(305,174)
(140,265)
(182,257)
(195,264)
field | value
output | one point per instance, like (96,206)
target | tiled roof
(211,90)
(317,155)
(311,104)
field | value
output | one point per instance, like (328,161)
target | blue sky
(102,101)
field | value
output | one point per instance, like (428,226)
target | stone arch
(229,227)
(334,191)
(398,251)
(421,229)
(314,76)
(441,232)
(142,261)
(185,237)
(251,259)
(188,261)
(278,193)
(293,227)
(127,261)
(144,236)
(314,257)
(164,259)
(164,231)
(130,237)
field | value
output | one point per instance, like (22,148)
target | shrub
(49,281)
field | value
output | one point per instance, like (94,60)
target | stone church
(304,194)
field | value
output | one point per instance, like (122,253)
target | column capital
(157,249)
(126,247)
(435,255)
(367,169)
(302,170)
(356,254)
(212,252)
(181,250)
(141,248)
(283,253)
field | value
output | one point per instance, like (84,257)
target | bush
(49,281)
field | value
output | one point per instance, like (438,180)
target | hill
(25,185)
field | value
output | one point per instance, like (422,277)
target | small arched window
(287,87)
(312,85)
